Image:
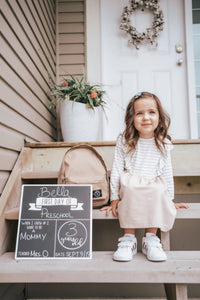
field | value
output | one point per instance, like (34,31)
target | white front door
(126,71)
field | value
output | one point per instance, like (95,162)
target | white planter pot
(78,123)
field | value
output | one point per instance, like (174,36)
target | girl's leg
(151,230)
(129,230)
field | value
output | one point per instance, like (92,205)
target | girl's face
(146,117)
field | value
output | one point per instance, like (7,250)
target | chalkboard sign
(55,221)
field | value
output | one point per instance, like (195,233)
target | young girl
(142,187)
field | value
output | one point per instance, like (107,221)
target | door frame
(93,54)
(190,71)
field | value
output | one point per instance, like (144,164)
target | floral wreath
(151,33)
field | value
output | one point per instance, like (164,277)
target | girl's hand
(180,205)
(113,207)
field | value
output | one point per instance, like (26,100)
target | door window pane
(196,39)
(195,4)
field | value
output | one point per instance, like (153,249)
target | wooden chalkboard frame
(55,222)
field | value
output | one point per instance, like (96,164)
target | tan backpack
(82,164)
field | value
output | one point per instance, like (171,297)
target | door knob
(179,61)
(179,48)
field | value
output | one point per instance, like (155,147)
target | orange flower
(93,95)
(64,83)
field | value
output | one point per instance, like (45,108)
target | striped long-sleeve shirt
(146,160)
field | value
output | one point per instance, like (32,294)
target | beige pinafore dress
(145,202)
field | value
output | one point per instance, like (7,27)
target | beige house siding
(28,48)
(71,38)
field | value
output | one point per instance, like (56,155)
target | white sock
(129,235)
(149,234)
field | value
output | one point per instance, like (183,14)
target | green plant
(77,90)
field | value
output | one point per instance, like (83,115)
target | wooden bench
(39,163)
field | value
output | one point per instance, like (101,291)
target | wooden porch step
(182,267)
(103,298)
(184,173)
(54,174)
(108,299)
(192,213)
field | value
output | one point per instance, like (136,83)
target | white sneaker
(127,247)
(152,248)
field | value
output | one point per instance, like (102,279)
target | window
(196,41)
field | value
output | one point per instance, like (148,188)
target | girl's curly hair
(131,134)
